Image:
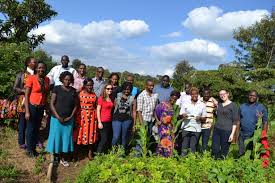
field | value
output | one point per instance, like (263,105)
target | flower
(166,143)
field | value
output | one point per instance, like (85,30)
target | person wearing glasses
(225,127)
(164,89)
(99,82)
(57,70)
(105,106)
(250,112)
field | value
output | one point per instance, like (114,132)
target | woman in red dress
(86,123)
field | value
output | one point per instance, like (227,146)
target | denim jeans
(190,140)
(242,137)
(205,135)
(22,124)
(220,144)
(36,116)
(120,132)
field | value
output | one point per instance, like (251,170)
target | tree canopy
(20,17)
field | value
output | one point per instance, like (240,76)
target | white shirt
(184,98)
(197,109)
(55,73)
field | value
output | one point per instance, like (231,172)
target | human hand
(27,116)
(231,137)
(100,125)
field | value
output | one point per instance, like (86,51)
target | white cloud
(212,23)
(132,28)
(173,34)
(196,51)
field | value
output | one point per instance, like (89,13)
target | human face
(82,70)
(252,97)
(194,96)
(109,89)
(32,63)
(65,62)
(67,81)
(40,70)
(99,73)
(165,82)
(187,89)
(89,86)
(127,91)
(223,95)
(206,95)
(114,80)
(150,86)
(130,79)
(173,99)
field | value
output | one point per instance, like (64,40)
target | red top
(36,96)
(106,109)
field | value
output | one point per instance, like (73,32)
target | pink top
(106,109)
(78,82)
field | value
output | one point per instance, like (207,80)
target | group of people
(100,114)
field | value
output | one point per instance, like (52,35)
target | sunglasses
(109,88)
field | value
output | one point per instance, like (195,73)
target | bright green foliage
(41,55)
(256,44)
(194,168)
(21,17)
(12,58)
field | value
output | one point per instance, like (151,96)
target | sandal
(64,163)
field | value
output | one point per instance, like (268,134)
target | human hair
(149,80)
(175,93)
(114,74)
(126,85)
(104,93)
(194,89)
(82,64)
(66,57)
(206,90)
(165,76)
(40,62)
(253,91)
(85,82)
(99,68)
(64,74)
(224,90)
(28,61)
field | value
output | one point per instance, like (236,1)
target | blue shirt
(163,93)
(249,118)
(135,91)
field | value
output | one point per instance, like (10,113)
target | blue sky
(148,37)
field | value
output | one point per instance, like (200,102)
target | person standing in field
(210,104)
(86,120)
(193,113)
(104,111)
(124,115)
(164,113)
(79,77)
(36,90)
(146,103)
(57,70)
(135,91)
(225,127)
(64,103)
(250,113)
(114,80)
(164,89)
(99,82)
(19,89)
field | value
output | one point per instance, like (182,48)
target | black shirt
(65,101)
(123,111)
(227,116)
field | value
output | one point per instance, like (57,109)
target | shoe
(23,146)
(64,163)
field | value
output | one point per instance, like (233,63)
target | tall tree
(181,69)
(256,44)
(76,63)
(20,17)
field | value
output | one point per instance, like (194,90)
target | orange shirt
(36,96)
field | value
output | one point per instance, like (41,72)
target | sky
(148,36)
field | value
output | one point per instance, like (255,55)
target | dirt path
(33,169)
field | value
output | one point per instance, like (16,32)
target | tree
(76,63)
(256,44)
(41,55)
(20,17)
(182,69)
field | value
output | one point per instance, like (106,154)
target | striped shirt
(210,108)
(146,105)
